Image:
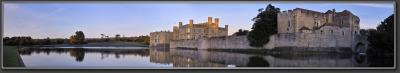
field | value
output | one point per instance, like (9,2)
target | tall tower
(191,23)
(209,22)
(175,33)
(226,30)
(190,29)
(180,24)
(216,22)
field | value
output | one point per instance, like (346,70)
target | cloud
(377,5)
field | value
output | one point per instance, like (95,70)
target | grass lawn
(11,57)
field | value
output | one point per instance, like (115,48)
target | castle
(201,30)
(296,28)
(307,21)
(189,31)
(307,28)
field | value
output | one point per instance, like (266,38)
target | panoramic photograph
(198,35)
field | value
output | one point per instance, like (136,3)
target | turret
(191,23)
(216,22)
(180,24)
(209,22)
(226,29)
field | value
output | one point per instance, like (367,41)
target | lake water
(123,57)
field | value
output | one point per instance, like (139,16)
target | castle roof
(304,28)
(345,12)
(329,11)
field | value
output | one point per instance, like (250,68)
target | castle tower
(175,33)
(226,29)
(209,22)
(216,22)
(180,24)
(190,29)
(191,23)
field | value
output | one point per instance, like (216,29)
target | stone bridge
(360,44)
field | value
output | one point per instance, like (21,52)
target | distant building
(308,21)
(200,30)
(306,28)
(189,31)
(160,38)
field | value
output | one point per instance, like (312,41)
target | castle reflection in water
(194,58)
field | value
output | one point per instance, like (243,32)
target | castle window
(289,23)
(342,32)
(187,30)
(287,29)
(342,22)
(322,32)
(332,31)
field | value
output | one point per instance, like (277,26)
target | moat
(143,57)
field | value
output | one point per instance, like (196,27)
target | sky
(62,19)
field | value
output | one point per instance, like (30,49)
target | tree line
(78,38)
(27,40)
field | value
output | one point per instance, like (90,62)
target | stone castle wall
(308,40)
(316,39)
(232,42)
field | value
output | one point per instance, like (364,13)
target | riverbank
(289,52)
(11,57)
(98,44)
(293,50)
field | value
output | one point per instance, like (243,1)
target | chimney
(180,24)
(216,22)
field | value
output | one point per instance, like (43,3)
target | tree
(47,41)
(383,37)
(241,32)
(117,37)
(381,47)
(78,38)
(102,36)
(265,25)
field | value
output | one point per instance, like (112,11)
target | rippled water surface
(142,57)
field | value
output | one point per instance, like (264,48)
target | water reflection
(78,53)
(257,61)
(165,57)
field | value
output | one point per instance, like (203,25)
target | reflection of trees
(78,53)
(257,61)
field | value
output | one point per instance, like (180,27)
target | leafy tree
(241,32)
(47,41)
(264,26)
(381,50)
(78,38)
(117,37)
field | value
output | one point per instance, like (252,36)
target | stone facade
(306,28)
(160,38)
(296,28)
(201,30)
(213,43)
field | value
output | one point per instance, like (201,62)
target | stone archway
(360,48)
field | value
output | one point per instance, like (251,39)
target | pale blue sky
(62,19)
